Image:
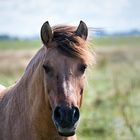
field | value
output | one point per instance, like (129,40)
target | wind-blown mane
(70,44)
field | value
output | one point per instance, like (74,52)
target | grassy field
(111,105)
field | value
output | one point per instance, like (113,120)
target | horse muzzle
(66,120)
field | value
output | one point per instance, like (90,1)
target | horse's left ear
(82,30)
(46,33)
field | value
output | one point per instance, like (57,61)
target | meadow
(111,106)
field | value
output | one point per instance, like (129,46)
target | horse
(44,103)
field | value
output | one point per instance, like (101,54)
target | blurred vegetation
(19,44)
(117,41)
(111,106)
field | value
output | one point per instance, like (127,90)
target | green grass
(132,41)
(111,106)
(19,44)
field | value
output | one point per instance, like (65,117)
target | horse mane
(70,44)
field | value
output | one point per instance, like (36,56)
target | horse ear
(82,30)
(46,33)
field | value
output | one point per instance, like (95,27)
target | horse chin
(66,132)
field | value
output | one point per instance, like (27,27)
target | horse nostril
(76,114)
(65,117)
(57,114)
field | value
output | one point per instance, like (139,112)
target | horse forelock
(70,44)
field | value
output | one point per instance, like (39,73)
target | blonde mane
(70,44)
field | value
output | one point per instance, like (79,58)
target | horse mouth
(66,132)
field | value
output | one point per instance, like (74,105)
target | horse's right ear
(46,33)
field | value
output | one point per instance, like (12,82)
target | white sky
(25,17)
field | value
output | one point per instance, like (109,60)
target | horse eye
(47,68)
(82,68)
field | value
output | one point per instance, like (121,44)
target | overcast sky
(25,17)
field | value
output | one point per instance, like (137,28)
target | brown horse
(44,104)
